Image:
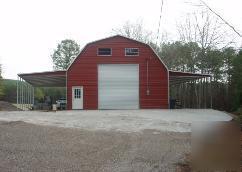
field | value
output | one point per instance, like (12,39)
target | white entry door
(77,97)
(118,86)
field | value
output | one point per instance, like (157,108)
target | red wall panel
(83,72)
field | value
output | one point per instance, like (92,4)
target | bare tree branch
(227,23)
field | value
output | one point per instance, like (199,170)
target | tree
(206,30)
(237,81)
(135,31)
(39,94)
(66,51)
(212,63)
(10,90)
(229,54)
(180,56)
(202,28)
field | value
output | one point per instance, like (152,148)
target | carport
(178,82)
(193,90)
(28,81)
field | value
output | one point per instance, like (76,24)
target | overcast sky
(31,29)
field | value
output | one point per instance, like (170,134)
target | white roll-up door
(118,86)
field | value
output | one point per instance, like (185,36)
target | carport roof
(176,77)
(45,79)
(58,78)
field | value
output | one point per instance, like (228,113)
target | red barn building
(117,73)
(113,73)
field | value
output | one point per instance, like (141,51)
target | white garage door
(118,86)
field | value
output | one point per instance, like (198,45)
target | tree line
(225,66)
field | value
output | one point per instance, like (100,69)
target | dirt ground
(29,147)
(6,106)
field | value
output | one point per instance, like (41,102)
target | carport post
(21,94)
(23,90)
(17,90)
(205,90)
(199,92)
(196,93)
(33,96)
(202,93)
(211,92)
(28,95)
(185,91)
(24,95)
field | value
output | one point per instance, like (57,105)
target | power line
(227,23)
(158,30)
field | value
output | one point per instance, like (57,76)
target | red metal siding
(83,72)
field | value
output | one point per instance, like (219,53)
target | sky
(31,29)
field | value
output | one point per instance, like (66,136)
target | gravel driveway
(98,141)
(27,147)
(119,120)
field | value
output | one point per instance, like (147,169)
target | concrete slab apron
(120,120)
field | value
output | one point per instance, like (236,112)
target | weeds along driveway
(119,120)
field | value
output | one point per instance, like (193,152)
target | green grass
(10,90)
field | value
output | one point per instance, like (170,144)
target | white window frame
(77,95)
(131,55)
(104,55)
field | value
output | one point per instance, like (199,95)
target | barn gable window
(131,51)
(104,51)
